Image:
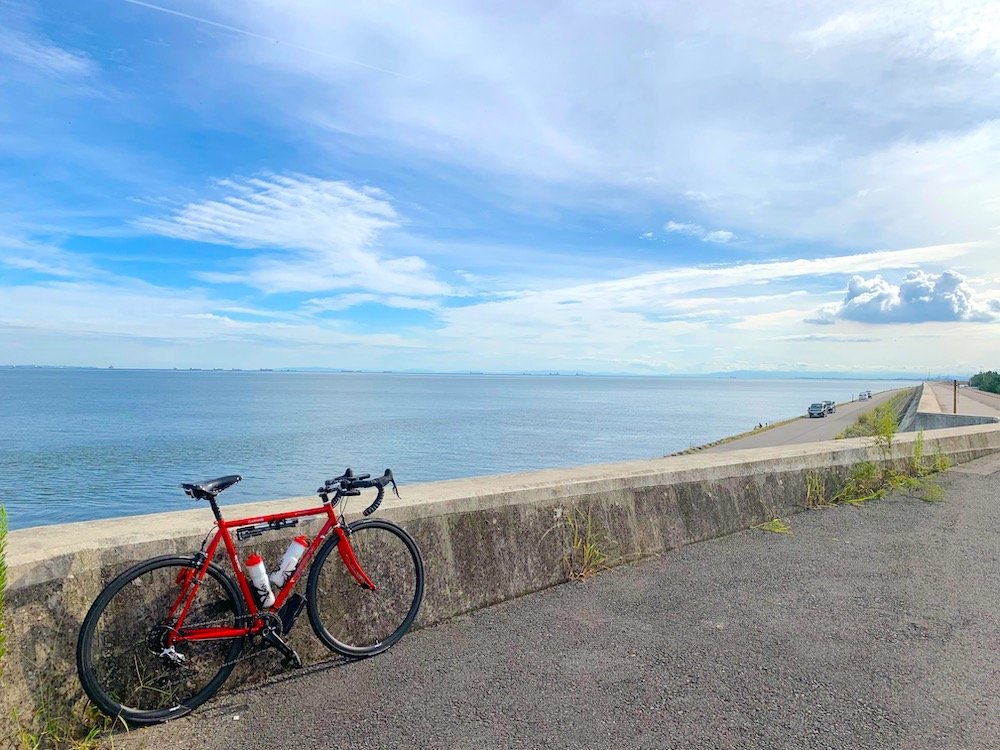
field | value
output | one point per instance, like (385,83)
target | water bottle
(258,577)
(289,560)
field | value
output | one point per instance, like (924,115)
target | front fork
(350,561)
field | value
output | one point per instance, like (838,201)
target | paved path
(805,429)
(970,400)
(874,627)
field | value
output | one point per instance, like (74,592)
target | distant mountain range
(734,374)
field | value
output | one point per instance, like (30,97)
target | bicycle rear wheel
(125,664)
(355,621)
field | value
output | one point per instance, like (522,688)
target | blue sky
(635,187)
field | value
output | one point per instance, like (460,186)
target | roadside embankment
(484,540)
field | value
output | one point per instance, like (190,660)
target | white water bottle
(289,560)
(258,576)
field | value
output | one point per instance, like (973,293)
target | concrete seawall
(484,540)
(925,412)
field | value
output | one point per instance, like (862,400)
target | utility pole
(954,409)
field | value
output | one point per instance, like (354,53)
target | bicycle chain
(250,649)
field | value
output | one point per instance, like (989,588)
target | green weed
(866,482)
(872,481)
(50,729)
(816,491)
(588,548)
(876,423)
(775,526)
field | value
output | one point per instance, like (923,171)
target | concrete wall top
(928,401)
(34,555)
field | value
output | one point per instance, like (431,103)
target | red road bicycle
(164,635)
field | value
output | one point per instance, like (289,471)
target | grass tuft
(85,728)
(816,491)
(877,421)
(587,553)
(775,526)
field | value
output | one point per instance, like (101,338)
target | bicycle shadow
(229,703)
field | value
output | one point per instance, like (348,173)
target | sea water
(86,444)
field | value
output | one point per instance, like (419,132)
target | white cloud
(682,228)
(42,56)
(42,258)
(645,316)
(919,298)
(315,235)
(937,29)
(347,301)
(818,100)
(718,236)
(143,325)
(701,318)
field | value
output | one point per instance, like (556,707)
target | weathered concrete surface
(867,628)
(924,421)
(971,401)
(931,413)
(908,418)
(484,540)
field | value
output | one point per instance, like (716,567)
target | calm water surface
(84,444)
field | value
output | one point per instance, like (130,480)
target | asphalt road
(873,627)
(806,429)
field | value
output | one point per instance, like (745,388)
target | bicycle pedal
(292,660)
(290,612)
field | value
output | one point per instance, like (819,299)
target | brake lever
(392,479)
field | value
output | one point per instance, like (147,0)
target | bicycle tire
(128,614)
(354,621)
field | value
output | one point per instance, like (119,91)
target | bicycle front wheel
(352,619)
(130,660)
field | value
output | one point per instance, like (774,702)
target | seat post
(215,508)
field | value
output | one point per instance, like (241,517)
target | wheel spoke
(127,665)
(353,619)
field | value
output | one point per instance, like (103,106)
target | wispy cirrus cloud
(43,258)
(41,55)
(936,29)
(308,234)
(832,96)
(347,301)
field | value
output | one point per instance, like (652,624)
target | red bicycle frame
(190,586)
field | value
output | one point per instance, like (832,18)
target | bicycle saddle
(209,489)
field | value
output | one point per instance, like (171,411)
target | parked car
(817,410)
(831,407)
(864,395)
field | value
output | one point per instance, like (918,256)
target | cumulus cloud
(315,235)
(718,236)
(921,297)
